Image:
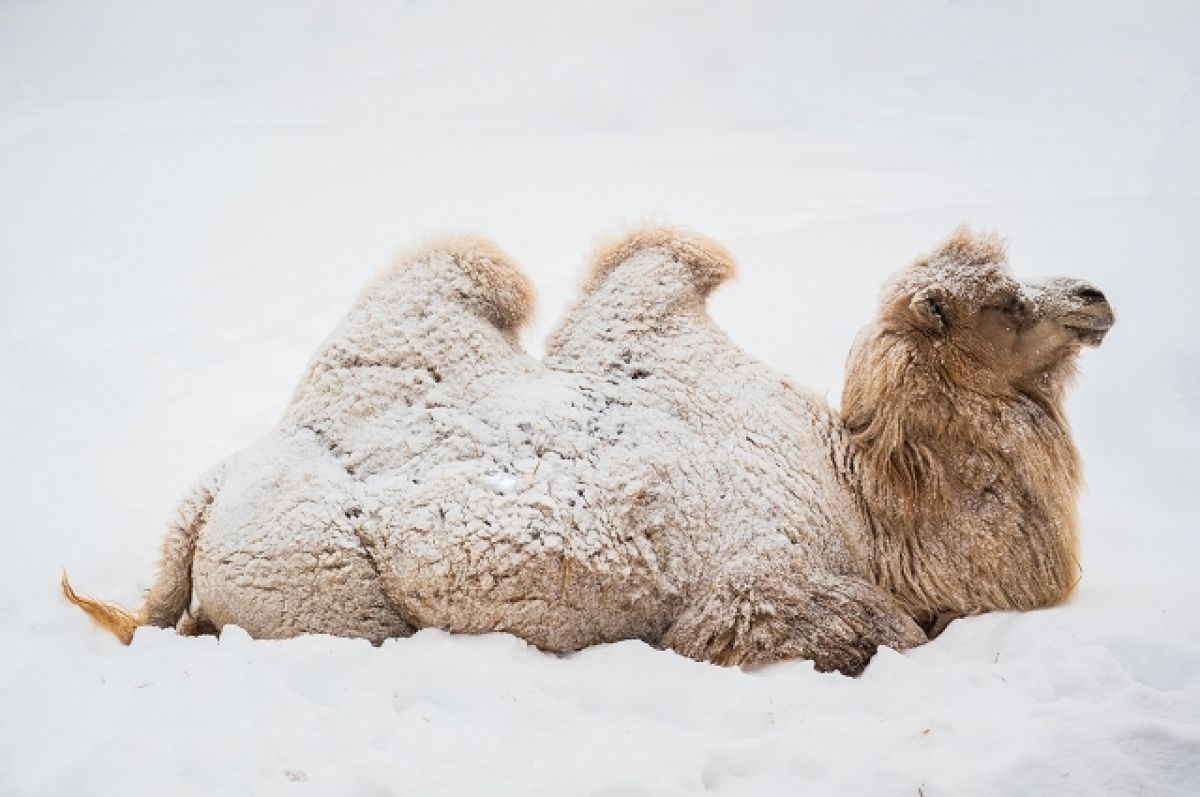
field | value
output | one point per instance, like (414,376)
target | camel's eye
(1015,308)
(1011,312)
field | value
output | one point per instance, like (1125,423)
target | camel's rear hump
(446,312)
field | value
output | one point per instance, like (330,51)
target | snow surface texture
(190,196)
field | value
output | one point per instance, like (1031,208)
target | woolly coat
(647,480)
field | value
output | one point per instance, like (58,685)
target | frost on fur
(707,262)
(490,282)
(650,479)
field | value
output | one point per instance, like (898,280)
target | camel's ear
(928,305)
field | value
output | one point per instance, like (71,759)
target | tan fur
(968,249)
(505,294)
(710,263)
(963,454)
(119,621)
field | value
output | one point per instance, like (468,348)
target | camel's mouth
(1088,313)
(1091,325)
(1089,336)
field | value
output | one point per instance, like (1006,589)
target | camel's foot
(836,622)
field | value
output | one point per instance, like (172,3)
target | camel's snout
(1090,294)
(1079,306)
(1089,316)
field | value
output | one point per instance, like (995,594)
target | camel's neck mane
(970,496)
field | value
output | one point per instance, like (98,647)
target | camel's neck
(970,497)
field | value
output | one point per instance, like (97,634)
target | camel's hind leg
(197,623)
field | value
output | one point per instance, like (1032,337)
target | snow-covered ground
(190,195)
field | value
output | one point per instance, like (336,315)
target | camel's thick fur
(649,479)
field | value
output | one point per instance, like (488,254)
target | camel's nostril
(1090,295)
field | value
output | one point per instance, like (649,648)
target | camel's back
(579,502)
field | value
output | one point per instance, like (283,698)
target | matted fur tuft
(967,248)
(711,264)
(506,294)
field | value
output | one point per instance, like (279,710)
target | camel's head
(986,330)
(953,401)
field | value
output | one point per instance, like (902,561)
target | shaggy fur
(649,480)
(963,456)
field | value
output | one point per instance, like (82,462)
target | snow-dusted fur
(963,456)
(649,479)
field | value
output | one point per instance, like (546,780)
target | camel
(648,479)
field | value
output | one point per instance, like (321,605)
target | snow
(191,195)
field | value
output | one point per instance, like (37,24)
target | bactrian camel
(648,479)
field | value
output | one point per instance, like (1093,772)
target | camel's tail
(171,594)
(108,615)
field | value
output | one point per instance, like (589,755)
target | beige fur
(709,263)
(504,294)
(649,480)
(963,457)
